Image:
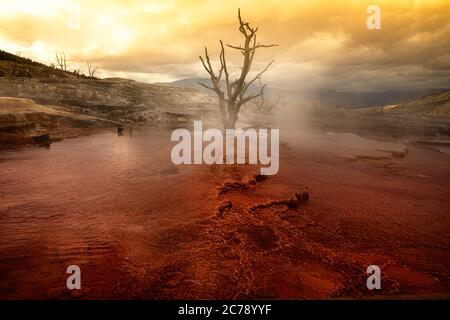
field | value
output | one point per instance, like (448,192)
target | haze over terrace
(322,44)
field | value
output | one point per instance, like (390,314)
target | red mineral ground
(140,227)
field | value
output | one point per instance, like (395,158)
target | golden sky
(322,44)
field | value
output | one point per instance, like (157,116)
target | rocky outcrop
(24,121)
(120,100)
(434,105)
(68,107)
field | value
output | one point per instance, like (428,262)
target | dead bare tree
(61,62)
(235,94)
(91,70)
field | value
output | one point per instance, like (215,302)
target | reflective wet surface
(140,227)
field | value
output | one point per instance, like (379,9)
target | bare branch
(252,48)
(206,86)
(225,69)
(204,65)
(253,96)
(208,62)
(258,76)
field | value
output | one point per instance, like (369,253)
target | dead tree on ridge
(235,93)
(91,70)
(61,61)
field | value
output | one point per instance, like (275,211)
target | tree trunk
(231,116)
(223,111)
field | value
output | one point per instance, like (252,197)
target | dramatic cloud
(321,43)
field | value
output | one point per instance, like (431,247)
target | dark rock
(224,207)
(260,177)
(43,139)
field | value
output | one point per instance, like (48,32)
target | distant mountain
(435,104)
(325,97)
(352,99)
(191,83)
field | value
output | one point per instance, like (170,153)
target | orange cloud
(157,40)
